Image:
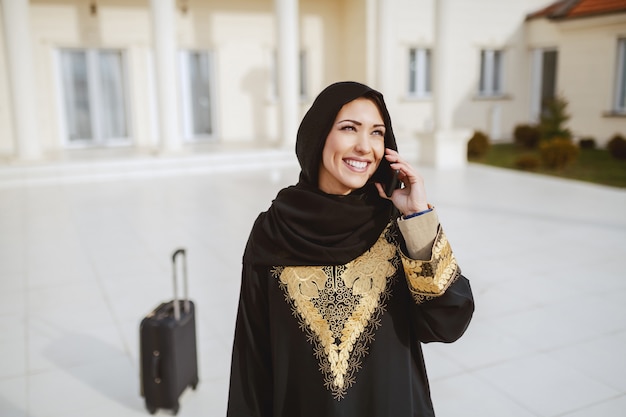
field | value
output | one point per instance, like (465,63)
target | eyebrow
(359,123)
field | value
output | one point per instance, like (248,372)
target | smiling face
(353,149)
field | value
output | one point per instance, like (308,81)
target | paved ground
(84,257)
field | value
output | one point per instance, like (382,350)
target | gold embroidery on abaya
(339,307)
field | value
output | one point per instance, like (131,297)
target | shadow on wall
(497,114)
(256,83)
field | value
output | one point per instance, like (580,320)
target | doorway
(544,81)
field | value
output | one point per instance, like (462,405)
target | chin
(355,185)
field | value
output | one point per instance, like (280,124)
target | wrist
(416,209)
(406,216)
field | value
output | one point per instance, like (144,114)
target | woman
(341,284)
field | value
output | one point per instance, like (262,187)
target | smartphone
(392,183)
(388,177)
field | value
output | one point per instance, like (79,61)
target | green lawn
(592,165)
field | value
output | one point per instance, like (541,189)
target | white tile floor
(84,254)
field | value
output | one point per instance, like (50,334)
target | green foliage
(593,165)
(558,153)
(553,119)
(587,143)
(527,136)
(527,162)
(478,145)
(617,146)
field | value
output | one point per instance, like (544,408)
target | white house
(165,76)
(579,51)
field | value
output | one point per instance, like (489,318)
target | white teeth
(356,164)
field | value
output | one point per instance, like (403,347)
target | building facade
(578,51)
(165,76)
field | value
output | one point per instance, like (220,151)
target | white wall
(476,25)
(244,47)
(413,26)
(586,72)
(68,24)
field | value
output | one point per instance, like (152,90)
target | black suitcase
(167,348)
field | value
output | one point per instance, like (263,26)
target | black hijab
(306,226)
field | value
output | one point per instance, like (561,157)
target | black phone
(389,178)
(393,183)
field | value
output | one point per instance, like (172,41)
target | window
(490,73)
(197,94)
(419,72)
(620,85)
(303,75)
(94,95)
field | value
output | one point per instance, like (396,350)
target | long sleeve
(419,234)
(444,302)
(251,375)
(445,318)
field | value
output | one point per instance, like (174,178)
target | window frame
(491,73)
(189,134)
(303,72)
(94,81)
(419,73)
(619,93)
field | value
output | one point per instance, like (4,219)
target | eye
(349,128)
(378,132)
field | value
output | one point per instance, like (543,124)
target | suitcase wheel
(175,409)
(151,409)
(194,384)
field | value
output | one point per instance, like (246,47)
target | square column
(164,43)
(446,146)
(21,78)
(287,45)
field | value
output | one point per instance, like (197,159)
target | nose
(363,144)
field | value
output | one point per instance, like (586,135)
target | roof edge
(560,11)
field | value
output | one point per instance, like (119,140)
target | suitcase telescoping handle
(175,255)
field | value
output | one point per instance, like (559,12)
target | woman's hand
(411,198)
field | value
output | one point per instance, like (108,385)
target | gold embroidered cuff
(429,279)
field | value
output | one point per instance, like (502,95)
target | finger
(404,168)
(395,158)
(391,155)
(381,191)
(407,172)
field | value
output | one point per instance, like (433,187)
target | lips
(359,165)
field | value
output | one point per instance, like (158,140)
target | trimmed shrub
(617,146)
(478,145)
(527,162)
(587,143)
(553,119)
(527,136)
(558,153)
